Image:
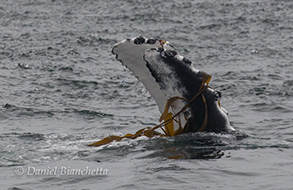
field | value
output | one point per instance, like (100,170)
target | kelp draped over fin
(176,110)
(169,120)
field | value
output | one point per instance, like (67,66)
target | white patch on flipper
(131,55)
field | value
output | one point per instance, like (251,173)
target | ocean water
(61,89)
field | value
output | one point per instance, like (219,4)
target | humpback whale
(181,92)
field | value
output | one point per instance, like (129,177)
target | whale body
(166,74)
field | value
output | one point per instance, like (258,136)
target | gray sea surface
(62,88)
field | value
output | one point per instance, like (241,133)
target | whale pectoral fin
(130,53)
